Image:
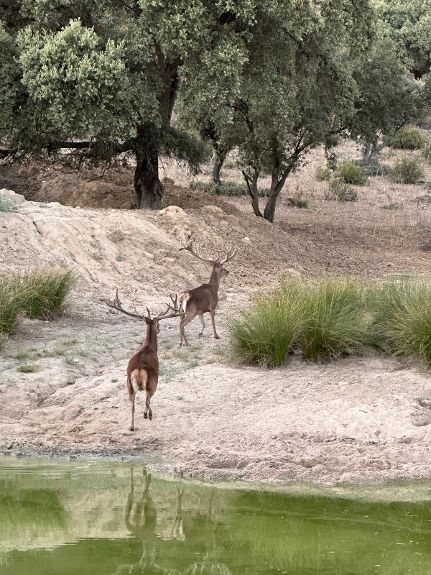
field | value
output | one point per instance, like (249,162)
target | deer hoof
(200,334)
(145,415)
(150,416)
(132,428)
(216,337)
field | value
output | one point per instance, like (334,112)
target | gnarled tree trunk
(220,156)
(148,187)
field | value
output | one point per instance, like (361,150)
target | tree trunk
(251,182)
(148,187)
(277,184)
(220,156)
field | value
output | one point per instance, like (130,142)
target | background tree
(296,90)
(409,23)
(103,76)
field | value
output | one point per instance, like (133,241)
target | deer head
(216,263)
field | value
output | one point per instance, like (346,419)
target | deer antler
(189,247)
(228,256)
(173,307)
(116,304)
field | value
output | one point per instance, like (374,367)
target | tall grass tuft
(324,319)
(402,317)
(334,320)
(43,292)
(9,307)
(267,333)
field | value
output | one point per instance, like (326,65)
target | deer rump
(198,300)
(139,375)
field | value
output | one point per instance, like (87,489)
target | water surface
(113,518)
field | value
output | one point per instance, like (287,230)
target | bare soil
(62,383)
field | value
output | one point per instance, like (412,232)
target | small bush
(340,191)
(43,292)
(266,334)
(298,201)
(9,307)
(426,151)
(28,368)
(402,317)
(323,319)
(407,138)
(232,189)
(333,318)
(7,205)
(323,174)
(351,173)
(407,171)
(373,167)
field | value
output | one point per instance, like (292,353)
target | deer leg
(213,322)
(132,399)
(201,317)
(148,412)
(184,321)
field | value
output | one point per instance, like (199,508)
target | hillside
(356,419)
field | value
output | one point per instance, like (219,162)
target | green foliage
(372,167)
(334,319)
(402,317)
(297,201)
(226,188)
(323,319)
(426,151)
(268,332)
(323,174)
(407,138)
(407,171)
(9,306)
(340,191)
(351,173)
(38,294)
(28,368)
(7,205)
(43,293)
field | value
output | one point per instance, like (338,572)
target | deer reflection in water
(195,529)
(199,528)
(141,522)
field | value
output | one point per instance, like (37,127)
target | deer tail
(183,298)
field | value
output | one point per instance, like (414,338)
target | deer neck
(151,338)
(215,279)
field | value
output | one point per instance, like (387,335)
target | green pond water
(85,517)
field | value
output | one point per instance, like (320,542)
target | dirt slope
(357,419)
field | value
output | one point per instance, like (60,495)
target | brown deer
(143,367)
(204,298)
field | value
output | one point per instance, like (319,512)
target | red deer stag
(204,298)
(143,367)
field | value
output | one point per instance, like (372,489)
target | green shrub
(298,201)
(226,188)
(7,205)
(373,167)
(351,173)
(407,171)
(402,317)
(340,191)
(42,293)
(323,174)
(334,320)
(407,138)
(324,319)
(426,151)
(266,334)
(9,306)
